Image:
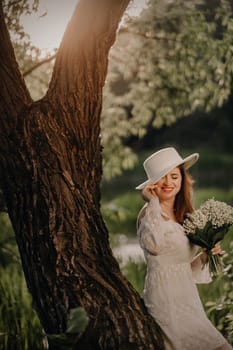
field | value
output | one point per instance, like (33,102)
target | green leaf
(208,232)
(195,239)
(219,236)
(77,322)
(61,341)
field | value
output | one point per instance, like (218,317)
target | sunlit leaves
(176,58)
(13,10)
(26,53)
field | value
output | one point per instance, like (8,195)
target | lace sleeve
(200,272)
(149,231)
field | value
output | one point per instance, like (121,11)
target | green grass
(120,214)
(19,325)
(135,272)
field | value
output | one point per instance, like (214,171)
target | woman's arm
(151,238)
(200,269)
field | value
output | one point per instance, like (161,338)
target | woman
(173,266)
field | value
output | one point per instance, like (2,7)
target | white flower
(218,213)
(207,226)
(195,220)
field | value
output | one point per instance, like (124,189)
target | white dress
(170,293)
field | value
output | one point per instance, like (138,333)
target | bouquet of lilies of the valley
(207,226)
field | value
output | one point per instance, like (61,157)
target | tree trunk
(50,164)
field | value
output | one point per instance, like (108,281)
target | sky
(46,31)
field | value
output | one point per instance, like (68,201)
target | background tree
(174,60)
(50,171)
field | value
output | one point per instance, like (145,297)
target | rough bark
(50,173)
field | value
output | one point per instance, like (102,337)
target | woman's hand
(217,250)
(149,192)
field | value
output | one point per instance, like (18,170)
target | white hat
(162,162)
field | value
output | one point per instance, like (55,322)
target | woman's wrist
(147,198)
(148,193)
(203,257)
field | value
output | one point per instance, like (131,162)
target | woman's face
(169,185)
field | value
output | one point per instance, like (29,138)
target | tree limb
(87,39)
(11,101)
(37,65)
(79,75)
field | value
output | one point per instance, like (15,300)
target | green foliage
(220,308)
(19,325)
(183,64)
(135,272)
(28,56)
(120,214)
(76,325)
(176,58)
(221,194)
(8,249)
(24,50)
(13,10)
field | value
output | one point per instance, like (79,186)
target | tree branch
(87,39)
(79,75)
(14,99)
(37,65)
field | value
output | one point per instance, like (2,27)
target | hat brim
(187,162)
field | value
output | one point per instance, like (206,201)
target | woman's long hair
(183,202)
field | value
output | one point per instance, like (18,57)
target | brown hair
(183,201)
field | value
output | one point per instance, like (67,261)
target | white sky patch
(47,26)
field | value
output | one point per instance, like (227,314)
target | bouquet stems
(215,264)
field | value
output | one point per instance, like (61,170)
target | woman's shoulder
(141,214)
